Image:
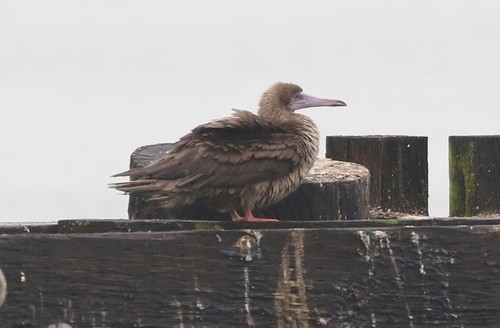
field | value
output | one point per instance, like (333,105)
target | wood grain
(398,169)
(384,276)
(474,164)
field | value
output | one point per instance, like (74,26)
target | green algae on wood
(79,225)
(208,226)
(474,171)
(462,155)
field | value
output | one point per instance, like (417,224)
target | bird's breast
(306,145)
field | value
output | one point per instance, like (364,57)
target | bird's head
(288,97)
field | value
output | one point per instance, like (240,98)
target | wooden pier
(405,270)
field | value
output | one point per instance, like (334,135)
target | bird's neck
(290,121)
(271,111)
(300,126)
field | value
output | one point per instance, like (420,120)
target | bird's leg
(249,217)
(236,217)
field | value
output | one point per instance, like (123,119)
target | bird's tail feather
(146,186)
(127,173)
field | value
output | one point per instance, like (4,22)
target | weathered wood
(333,190)
(102,225)
(35,227)
(384,276)
(398,169)
(474,163)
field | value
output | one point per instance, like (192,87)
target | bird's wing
(227,152)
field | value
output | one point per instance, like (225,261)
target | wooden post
(333,190)
(398,169)
(474,175)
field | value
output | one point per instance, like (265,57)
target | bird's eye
(297,97)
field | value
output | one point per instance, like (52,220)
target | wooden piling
(398,169)
(333,190)
(474,168)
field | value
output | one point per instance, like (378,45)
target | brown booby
(238,163)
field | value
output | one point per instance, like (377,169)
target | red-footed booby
(238,163)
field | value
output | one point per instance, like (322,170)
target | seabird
(239,163)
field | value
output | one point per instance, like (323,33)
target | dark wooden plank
(398,169)
(351,277)
(333,190)
(27,227)
(105,226)
(474,167)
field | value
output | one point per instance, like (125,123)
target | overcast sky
(83,83)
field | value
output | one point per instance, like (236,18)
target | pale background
(83,83)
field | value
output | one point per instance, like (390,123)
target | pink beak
(303,101)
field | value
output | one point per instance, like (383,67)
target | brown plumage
(237,163)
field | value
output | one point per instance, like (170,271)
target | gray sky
(83,83)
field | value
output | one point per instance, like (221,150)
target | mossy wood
(421,274)
(398,169)
(333,190)
(474,175)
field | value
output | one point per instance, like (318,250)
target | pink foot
(236,217)
(249,217)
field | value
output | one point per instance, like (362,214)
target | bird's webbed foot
(249,217)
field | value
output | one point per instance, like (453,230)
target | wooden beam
(371,276)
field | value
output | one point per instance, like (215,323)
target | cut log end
(333,190)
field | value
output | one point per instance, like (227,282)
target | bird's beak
(304,101)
